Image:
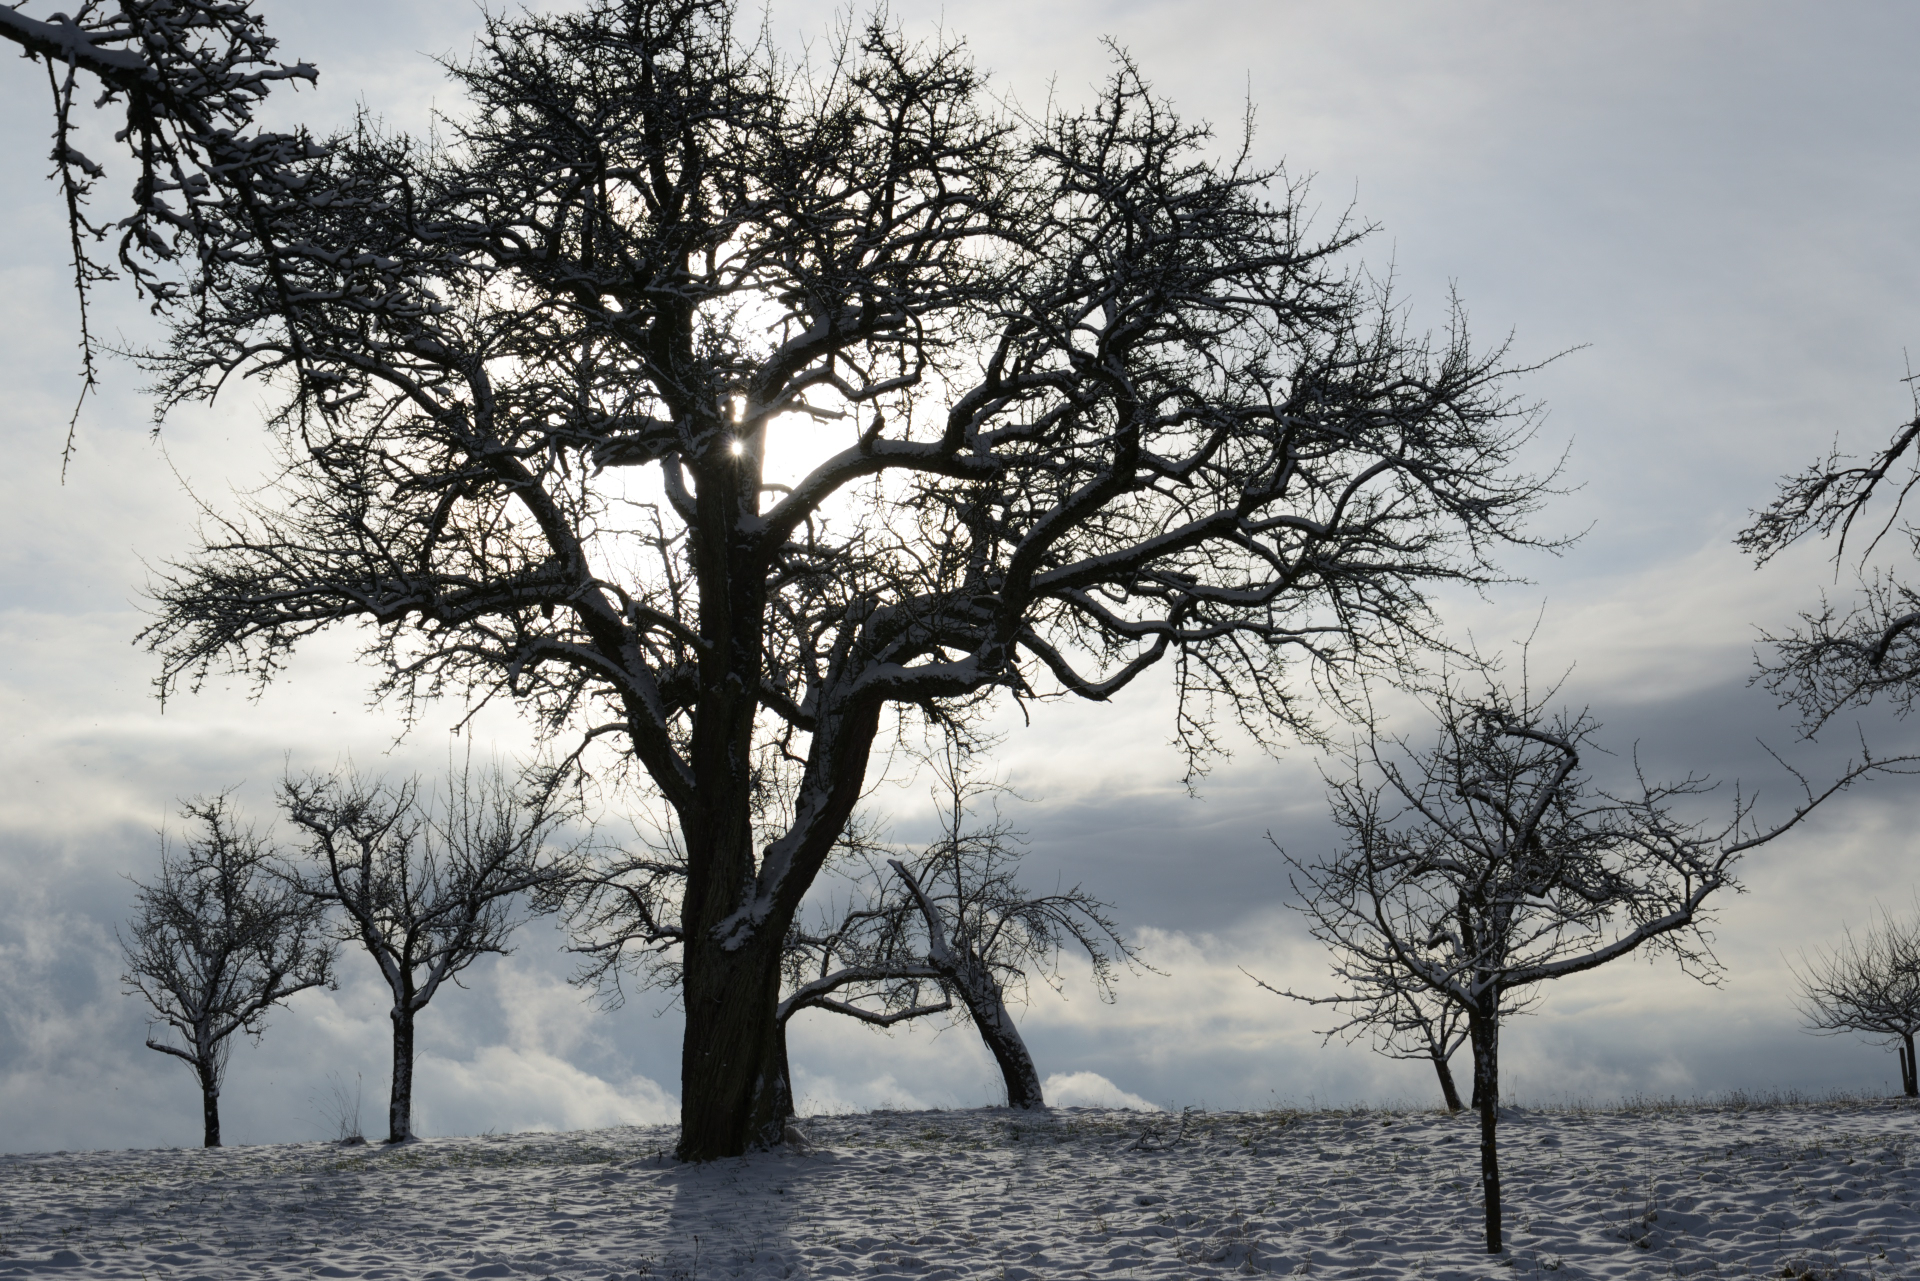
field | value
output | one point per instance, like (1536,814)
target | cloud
(519,1089)
(1091,1090)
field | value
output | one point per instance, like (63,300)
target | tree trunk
(1448,1091)
(730,1071)
(400,1097)
(209,1074)
(987,1004)
(784,1072)
(1909,1075)
(1484,1034)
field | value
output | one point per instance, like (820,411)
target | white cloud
(519,1089)
(1091,1090)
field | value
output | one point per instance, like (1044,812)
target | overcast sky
(1709,207)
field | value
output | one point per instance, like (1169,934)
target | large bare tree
(218,941)
(1478,869)
(1869,984)
(426,884)
(713,404)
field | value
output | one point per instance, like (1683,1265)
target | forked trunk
(1484,1034)
(400,1097)
(1448,1090)
(209,1073)
(731,1088)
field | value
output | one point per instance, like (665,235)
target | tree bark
(988,1006)
(209,1074)
(400,1097)
(730,1086)
(784,1069)
(1448,1090)
(1909,1071)
(1484,1034)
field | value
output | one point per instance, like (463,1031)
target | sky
(1700,216)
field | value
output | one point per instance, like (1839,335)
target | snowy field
(1812,1191)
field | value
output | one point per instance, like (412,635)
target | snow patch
(1091,1090)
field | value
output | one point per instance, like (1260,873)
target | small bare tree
(1404,1018)
(216,942)
(1490,864)
(955,914)
(427,884)
(1869,984)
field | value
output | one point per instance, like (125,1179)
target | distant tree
(956,915)
(216,942)
(1869,984)
(850,960)
(1405,1018)
(1478,869)
(714,404)
(426,884)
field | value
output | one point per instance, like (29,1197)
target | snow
(1807,1190)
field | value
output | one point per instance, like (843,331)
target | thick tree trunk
(400,1097)
(1448,1090)
(209,1073)
(730,1071)
(1484,1034)
(1909,1076)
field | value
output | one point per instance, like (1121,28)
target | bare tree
(713,404)
(1489,864)
(1869,984)
(186,77)
(426,884)
(1847,655)
(216,942)
(955,917)
(1405,1020)
(853,959)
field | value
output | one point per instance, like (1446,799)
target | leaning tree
(953,917)
(713,404)
(1478,869)
(218,941)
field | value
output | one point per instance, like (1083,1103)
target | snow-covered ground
(1819,1190)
